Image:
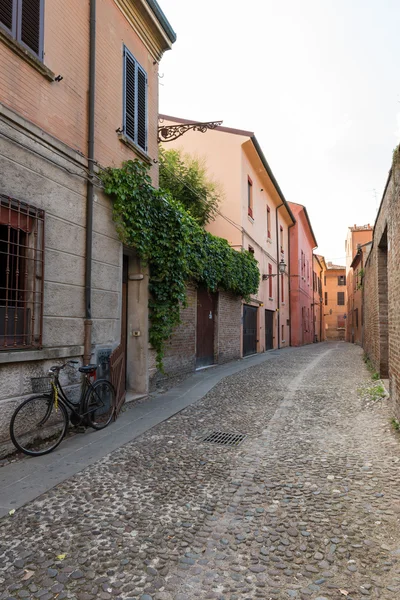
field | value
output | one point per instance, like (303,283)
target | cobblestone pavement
(306,508)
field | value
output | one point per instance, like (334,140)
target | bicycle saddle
(88,368)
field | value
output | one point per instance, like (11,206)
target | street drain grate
(225,439)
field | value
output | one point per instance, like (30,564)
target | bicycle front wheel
(38,426)
(100,404)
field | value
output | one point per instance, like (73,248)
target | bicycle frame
(74,407)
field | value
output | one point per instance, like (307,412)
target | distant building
(358,241)
(335,302)
(319,268)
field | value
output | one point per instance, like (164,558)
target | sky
(318,81)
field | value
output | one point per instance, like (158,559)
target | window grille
(341,279)
(21,274)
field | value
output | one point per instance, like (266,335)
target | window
(135,101)
(326,298)
(324,279)
(340,298)
(283,334)
(251,250)
(268,223)
(21,274)
(281,238)
(356,315)
(282,288)
(23,19)
(270,280)
(249,197)
(341,280)
(302,264)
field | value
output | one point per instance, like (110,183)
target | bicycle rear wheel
(37,426)
(100,404)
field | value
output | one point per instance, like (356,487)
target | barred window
(21,274)
(340,298)
(341,279)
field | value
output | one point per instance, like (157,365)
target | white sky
(318,81)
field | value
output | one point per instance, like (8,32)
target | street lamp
(281,269)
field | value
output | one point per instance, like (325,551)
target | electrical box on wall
(103,362)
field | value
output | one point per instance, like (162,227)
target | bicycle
(39,424)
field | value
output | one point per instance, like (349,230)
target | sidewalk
(25,480)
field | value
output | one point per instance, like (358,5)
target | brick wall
(382,290)
(228,327)
(180,350)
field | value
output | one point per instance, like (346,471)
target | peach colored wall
(221,154)
(61,109)
(301,285)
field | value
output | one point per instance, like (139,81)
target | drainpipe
(290,287)
(87,351)
(278,275)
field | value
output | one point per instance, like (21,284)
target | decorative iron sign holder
(169,133)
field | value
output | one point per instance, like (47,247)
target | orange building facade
(335,302)
(73,71)
(301,276)
(319,268)
(358,242)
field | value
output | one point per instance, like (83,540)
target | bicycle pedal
(80,429)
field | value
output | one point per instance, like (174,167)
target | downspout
(87,350)
(278,276)
(290,287)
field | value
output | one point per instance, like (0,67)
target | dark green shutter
(142,109)
(130,96)
(7,8)
(31,24)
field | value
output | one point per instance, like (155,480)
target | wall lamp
(281,268)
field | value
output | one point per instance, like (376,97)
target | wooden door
(206,303)
(118,356)
(249,329)
(269,329)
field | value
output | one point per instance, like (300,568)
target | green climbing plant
(175,247)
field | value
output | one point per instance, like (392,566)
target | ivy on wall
(175,247)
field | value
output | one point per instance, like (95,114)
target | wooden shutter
(7,13)
(130,96)
(30,21)
(142,109)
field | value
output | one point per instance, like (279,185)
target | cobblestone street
(306,507)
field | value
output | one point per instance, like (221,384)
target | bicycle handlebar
(58,368)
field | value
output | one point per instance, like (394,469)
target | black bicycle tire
(89,415)
(16,411)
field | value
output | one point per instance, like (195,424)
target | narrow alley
(305,508)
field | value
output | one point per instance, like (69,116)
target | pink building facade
(302,244)
(253,215)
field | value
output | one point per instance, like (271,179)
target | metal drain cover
(225,439)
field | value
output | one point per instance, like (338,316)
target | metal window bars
(21,274)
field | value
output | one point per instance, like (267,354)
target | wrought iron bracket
(169,133)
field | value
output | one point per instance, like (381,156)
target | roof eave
(272,177)
(162,19)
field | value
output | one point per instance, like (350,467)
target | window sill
(271,299)
(15,356)
(141,153)
(283,303)
(283,341)
(250,219)
(23,53)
